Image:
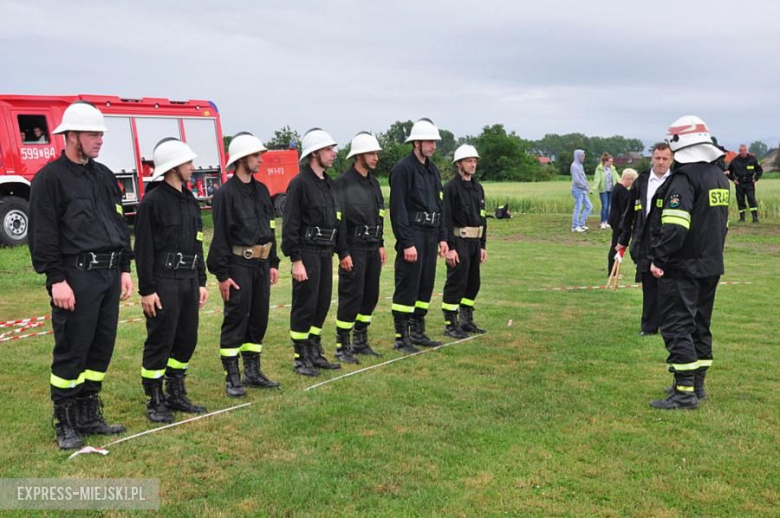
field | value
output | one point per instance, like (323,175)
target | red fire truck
(135,126)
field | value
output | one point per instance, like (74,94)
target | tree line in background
(504,156)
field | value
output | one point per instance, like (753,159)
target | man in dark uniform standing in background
(171,279)
(309,236)
(687,257)
(79,239)
(361,249)
(416,206)
(745,171)
(466,227)
(243,258)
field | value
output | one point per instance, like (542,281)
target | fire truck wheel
(279,202)
(14,218)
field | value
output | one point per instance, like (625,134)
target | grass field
(545,415)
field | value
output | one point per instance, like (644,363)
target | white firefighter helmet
(314,140)
(243,144)
(169,153)
(465,151)
(423,129)
(364,142)
(690,140)
(81,116)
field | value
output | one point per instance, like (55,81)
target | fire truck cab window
(34,129)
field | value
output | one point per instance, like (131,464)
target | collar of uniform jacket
(308,170)
(184,193)
(425,165)
(80,169)
(468,184)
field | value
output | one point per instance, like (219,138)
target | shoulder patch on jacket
(674,201)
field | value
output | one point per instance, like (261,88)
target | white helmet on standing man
(170,153)
(243,144)
(465,151)
(690,140)
(423,129)
(81,116)
(314,140)
(364,142)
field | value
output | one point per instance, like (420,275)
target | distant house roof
(730,156)
(628,158)
(544,160)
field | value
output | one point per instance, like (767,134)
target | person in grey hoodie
(579,190)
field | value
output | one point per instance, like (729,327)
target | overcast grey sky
(599,67)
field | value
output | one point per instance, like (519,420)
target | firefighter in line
(80,240)
(171,279)
(309,236)
(416,205)
(466,226)
(361,247)
(687,257)
(243,258)
(637,231)
(745,171)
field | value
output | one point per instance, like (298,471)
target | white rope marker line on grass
(102,450)
(575,288)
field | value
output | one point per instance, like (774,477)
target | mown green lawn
(545,415)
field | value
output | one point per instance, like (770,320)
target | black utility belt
(321,235)
(180,261)
(366,232)
(94,260)
(427,219)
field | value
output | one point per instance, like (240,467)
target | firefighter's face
(253,162)
(91,142)
(743,150)
(326,156)
(427,148)
(370,160)
(662,160)
(185,171)
(468,166)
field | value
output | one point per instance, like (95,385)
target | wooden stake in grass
(614,275)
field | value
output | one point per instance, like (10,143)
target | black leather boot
(344,351)
(698,383)
(156,409)
(90,420)
(755,216)
(467,321)
(403,341)
(417,333)
(176,394)
(683,397)
(360,341)
(316,355)
(253,376)
(64,423)
(452,327)
(302,364)
(233,386)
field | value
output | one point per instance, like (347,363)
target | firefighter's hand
(127,285)
(224,288)
(482,255)
(382,255)
(619,247)
(736,182)
(410,254)
(273,275)
(150,304)
(656,271)
(204,296)
(299,271)
(452,258)
(63,296)
(443,248)
(346,263)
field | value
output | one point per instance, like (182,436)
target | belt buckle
(366,231)
(249,253)
(179,260)
(93,260)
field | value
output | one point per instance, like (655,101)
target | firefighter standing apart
(311,220)
(171,279)
(745,171)
(79,239)
(243,258)
(361,249)
(466,225)
(687,257)
(416,205)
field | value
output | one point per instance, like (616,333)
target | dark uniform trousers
(246,312)
(463,280)
(311,298)
(84,338)
(359,289)
(414,281)
(650,310)
(746,190)
(173,333)
(686,310)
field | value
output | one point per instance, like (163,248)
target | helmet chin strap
(80,149)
